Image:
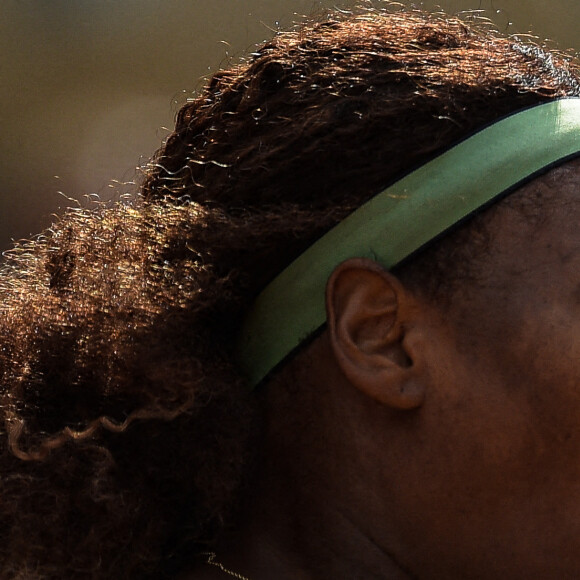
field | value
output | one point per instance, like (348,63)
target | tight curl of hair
(125,424)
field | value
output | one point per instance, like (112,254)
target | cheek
(507,395)
(524,386)
(481,436)
(550,377)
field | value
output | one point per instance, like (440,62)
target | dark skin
(414,441)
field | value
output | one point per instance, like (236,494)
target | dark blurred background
(88,88)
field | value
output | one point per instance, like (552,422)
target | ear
(368,322)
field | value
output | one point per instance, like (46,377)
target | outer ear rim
(361,292)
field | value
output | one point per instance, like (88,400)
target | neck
(298,521)
(289,537)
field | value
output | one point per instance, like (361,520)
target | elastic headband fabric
(405,217)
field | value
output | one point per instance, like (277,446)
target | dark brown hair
(125,419)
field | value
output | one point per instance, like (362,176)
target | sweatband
(404,218)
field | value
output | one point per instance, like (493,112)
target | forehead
(532,253)
(558,188)
(540,216)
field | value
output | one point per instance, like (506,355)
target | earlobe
(365,305)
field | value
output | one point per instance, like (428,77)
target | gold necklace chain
(212,562)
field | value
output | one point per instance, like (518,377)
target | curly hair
(126,426)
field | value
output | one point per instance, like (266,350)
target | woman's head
(325,117)
(120,386)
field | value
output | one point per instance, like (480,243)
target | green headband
(405,217)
